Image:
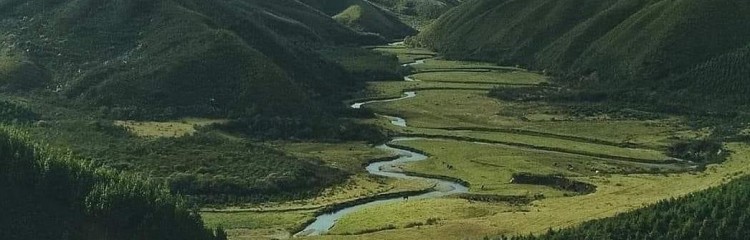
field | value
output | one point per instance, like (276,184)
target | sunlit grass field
(615,194)
(486,141)
(166,129)
(434,64)
(493,77)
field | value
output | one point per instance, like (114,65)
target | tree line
(49,194)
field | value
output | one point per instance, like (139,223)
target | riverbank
(483,142)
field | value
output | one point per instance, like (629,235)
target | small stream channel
(325,222)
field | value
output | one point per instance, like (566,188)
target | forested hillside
(165,58)
(717,213)
(364,16)
(686,51)
(50,194)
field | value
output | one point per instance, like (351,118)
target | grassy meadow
(615,194)
(140,119)
(487,140)
(279,219)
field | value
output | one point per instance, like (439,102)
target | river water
(325,222)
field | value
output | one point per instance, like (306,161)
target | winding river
(325,222)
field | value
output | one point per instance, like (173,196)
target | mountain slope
(418,13)
(364,16)
(180,57)
(644,47)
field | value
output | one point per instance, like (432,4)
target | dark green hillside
(19,74)
(51,195)
(732,68)
(367,65)
(364,16)
(650,49)
(187,57)
(717,213)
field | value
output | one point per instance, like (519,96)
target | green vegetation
(716,213)
(166,129)
(255,220)
(493,77)
(701,150)
(18,74)
(553,143)
(15,113)
(413,215)
(406,55)
(364,16)
(269,220)
(559,182)
(676,54)
(428,9)
(163,59)
(69,67)
(486,140)
(50,194)
(129,85)
(206,166)
(490,169)
(366,65)
(323,128)
(615,194)
(250,61)
(458,66)
(418,13)
(348,156)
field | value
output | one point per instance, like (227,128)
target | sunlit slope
(364,16)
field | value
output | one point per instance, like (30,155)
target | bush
(699,151)
(311,127)
(12,112)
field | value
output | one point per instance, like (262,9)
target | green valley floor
(487,143)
